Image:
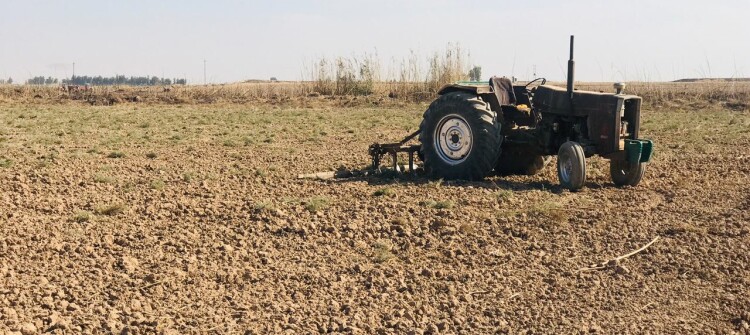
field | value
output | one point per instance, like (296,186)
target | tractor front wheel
(571,166)
(460,137)
(624,172)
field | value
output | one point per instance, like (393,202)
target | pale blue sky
(615,40)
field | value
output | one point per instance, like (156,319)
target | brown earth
(190,219)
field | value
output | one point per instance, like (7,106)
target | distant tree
(475,74)
(121,80)
(38,80)
(10,80)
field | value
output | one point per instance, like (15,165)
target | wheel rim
(566,168)
(453,140)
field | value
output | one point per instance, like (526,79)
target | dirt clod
(28,328)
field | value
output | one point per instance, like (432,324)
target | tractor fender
(474,89)
(484,92)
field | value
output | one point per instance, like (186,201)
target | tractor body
(476,128)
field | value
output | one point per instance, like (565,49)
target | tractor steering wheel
(529,90)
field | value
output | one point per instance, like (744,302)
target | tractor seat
(503,89)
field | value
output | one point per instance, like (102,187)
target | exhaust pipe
(571,69)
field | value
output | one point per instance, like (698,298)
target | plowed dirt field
(190,219)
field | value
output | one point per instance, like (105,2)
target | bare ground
(190,219)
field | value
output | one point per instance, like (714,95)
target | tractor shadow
(389,178)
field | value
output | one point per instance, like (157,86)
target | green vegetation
(157,184)
(116,154)
(386,191)
(81,217)
(5,162)
(111,209)
(316,204)
(443,204)
(104,179)
(383,251)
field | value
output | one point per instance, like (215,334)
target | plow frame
(378,150)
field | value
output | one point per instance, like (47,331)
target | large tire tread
(572,152)
(485,130)
(624,173)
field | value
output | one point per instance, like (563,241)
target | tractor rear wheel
(460,137)
(571,166)
(624,172)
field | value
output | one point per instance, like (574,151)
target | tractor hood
(555,100)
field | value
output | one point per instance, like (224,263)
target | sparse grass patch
(682,228)
(5,162)
(435,184)
(508,213)
(467,227)
(552,210)
(559,215)
(116,154)
(111,209)
(128,187)
(81,217)
(262,205)
(229,143)
(383,251)
(104,179)
(386,191)
(428,203)
(188,176)
(504,194)
(443,204)
(157,184)
(316,204)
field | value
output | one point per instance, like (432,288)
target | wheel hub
(566,168)
(453,139)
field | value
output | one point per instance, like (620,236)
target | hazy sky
(615,40)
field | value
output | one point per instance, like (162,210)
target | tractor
(477,129)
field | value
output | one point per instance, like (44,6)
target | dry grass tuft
(111,209)
(383,251)
(116,154)
(386,191)
(81,217)
(316,204)
(348,78)
(443,204)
